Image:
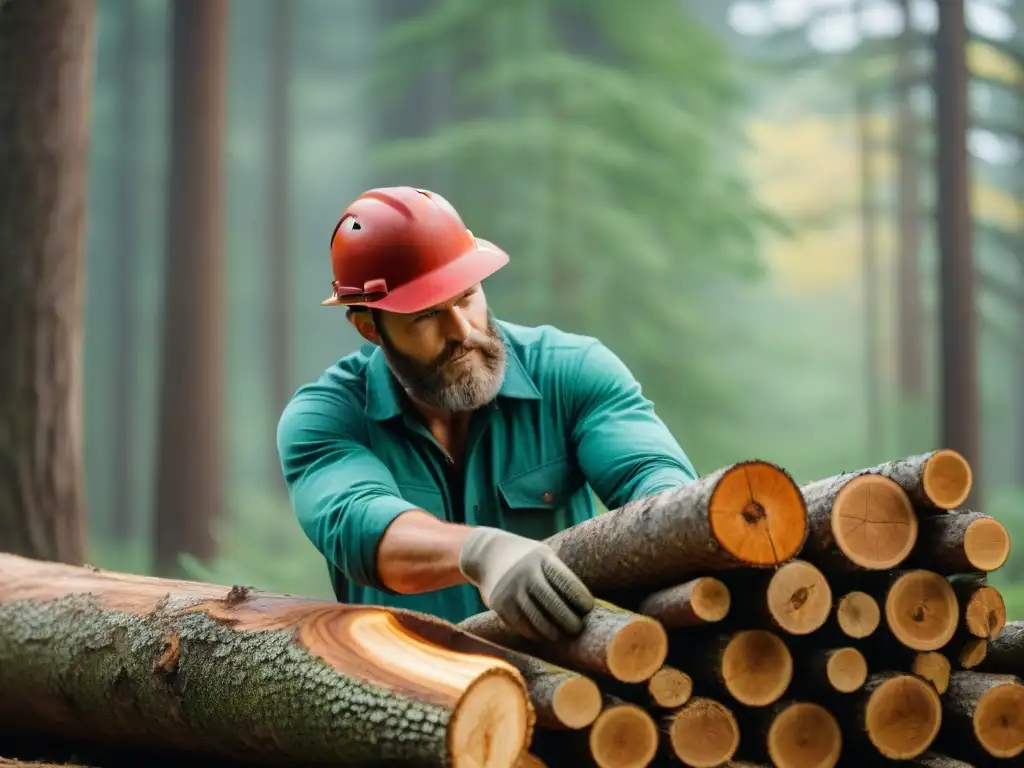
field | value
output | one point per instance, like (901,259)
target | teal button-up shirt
(569,417)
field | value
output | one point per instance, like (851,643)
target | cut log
(921,609)
(753,666)
(933,667)
(866,518)
(796,734)
(561,698)
(937,480)
(128,661)
(623,736)
(702,734)
(1006,652)
(842,670)
(669,688)
(794,599)
(529,760)
(857,614)
(960,542)
(987,710)
(621,644)
(749,514)
(898,714)
(703,600)
(982,608)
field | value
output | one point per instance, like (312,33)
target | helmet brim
(440,285)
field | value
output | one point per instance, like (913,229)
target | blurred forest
(742,199)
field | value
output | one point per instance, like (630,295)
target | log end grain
(987,544)
(710,599)
(805,734)
(985,612)
(490,726)
(576,703)
(703,734)
(669,688)
(972,652)
(933,667)
(947,479)
(757,514)
(757,667)
(998,720)
(799,598)
(903,716)
(700,601)
(637,650)
(873,522)
(846,669)
(858,614)
(921,610)
(623,736)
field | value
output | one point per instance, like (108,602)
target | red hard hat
(403,250)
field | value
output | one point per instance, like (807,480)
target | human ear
(363,322)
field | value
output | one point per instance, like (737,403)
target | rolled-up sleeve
(624,449)
(343,495)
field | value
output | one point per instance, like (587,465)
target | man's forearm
(419,553)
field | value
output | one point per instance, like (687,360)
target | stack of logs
(743,620)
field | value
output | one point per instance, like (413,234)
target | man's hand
(523,581)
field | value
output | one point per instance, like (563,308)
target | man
(428,467)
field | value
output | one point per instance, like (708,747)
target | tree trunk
(189,492)
(750,514)
(126,253)
(960,407)
(130,661)
(45,89)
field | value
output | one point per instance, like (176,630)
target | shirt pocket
(428,499)
(534,501)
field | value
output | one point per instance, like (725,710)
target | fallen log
(986,710)
(1006,651)
(749,514)
(128,661)
(939,480)
(865,519)
(621,644)
(702,734)
(703,600)
(960,542)
(897,714)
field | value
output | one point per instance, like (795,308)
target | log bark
(620,644)
(896,714)
(960,542)
(702,734)
(794,734)
(935,480)
(858,521)
(795,599)
(982,610)
(130,662)
(703,600)
(752,666)
(935,760)
(1006,652)
(749,514)
(46,82)
(986,710)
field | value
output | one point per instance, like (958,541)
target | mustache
(476,340)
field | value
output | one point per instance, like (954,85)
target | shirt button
(547,497)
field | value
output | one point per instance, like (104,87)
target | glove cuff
(474,550)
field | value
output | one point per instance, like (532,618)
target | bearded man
(429,466)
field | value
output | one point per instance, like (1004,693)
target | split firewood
(895,713)
(960,542)
(793,734)
(749,514)
(130,661)
(858,521)
(938,480)
(986,711)
(700,601)
(702,734)
(614,642)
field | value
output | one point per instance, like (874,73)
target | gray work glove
(522,581)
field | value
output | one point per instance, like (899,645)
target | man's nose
(459,327)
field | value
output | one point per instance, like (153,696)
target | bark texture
(749,514)
(936,760)
(935,480)
(986,710)
(135,662)
(960,542)
(45,88)
(704,600)
(1006,651)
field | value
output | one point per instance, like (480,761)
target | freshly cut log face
(669,688)
(867,517)
(799,598)
(753,665)
(960,542)
(899,714)
(843,670)
(623,736)
(748,514)
(134,661)
(933,667)
(858,614)
(623,645)
(703,600)
(989,708)
(803,735)
(921,610)
(939,480)
(983,609)
(702,734)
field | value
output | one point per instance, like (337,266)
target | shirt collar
(384,397)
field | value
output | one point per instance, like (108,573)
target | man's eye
(427,316)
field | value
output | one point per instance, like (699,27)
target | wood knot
(237,595)
(799,598)
(167,664)
(918,614)
(753,513)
